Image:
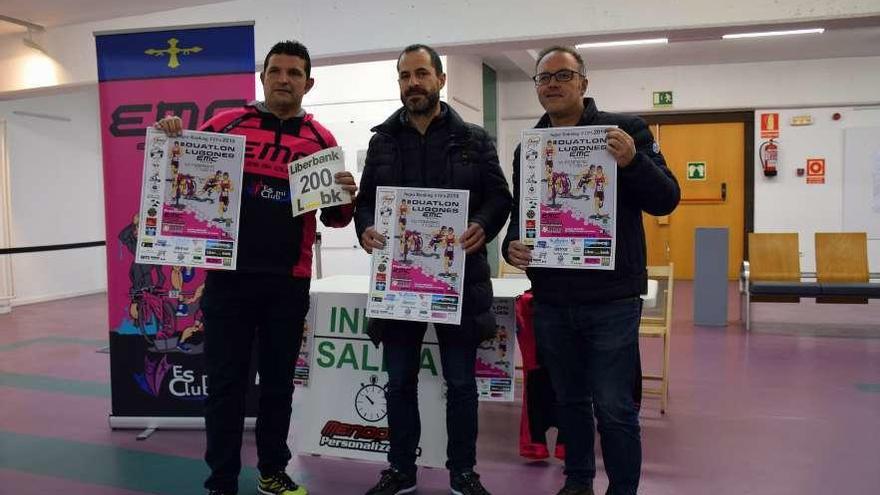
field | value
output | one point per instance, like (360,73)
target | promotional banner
(568,207)
(311,181)
(156,332)
(419,274)
(343,413)
(190,199)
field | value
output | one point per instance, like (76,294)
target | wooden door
(712,194)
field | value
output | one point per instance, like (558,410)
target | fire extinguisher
(769,156)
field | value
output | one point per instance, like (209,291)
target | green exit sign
(662,99)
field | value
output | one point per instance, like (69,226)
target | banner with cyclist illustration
(419,274)
(568,184)
(190,199)
(155,320)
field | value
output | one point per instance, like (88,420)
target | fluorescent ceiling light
(773,33)
(652,41)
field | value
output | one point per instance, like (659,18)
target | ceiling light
(651,41)
(773,33)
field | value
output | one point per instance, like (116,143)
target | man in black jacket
(587,321)
(426,144)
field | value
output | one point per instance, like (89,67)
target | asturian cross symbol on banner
(173,51)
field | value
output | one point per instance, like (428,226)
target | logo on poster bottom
(350,436)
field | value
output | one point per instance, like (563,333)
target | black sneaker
(575,489)
(279,484)
(393,482)
(219,492)
(467,484)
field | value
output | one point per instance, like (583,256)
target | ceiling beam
(20,22)
(524,59)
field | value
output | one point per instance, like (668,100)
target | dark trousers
(592,353)
(236,307)
(402,345)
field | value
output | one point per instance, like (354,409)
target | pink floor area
(791,408)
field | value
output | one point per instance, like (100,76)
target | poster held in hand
(568,206)
(419,274)
(190,199)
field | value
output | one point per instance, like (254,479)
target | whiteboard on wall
(861,181)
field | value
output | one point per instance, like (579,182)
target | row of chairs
(773,273)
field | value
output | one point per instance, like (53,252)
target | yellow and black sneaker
(279,484)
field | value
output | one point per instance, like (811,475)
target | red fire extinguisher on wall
(769,152)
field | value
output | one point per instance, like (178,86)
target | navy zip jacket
(645,185)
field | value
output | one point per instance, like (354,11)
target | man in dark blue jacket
(427,144)
(587,321)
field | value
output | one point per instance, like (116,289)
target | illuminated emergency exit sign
(662,99)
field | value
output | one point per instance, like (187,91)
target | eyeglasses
(562,76)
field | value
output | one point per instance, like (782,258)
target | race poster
(495,365)
(419,275)
(568,184)
(311,181)
(190,199)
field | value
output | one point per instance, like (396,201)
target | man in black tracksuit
(586,321)
(426,144)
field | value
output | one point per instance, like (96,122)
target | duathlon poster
(312,183)
(568,184)
(190,199)
(419,275)
(495,358)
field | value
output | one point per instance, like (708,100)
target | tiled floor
(783,410)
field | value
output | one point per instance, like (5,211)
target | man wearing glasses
(586,321)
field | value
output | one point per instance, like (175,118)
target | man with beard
(426,144)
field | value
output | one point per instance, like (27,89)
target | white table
(504,288)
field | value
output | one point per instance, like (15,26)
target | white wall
(465,87)
(786,203)
(25,67)
(836,81)
(346,29)
(56,195)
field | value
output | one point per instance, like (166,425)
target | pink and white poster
(190,199)
(568,208)
(419,275)
(496,364)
